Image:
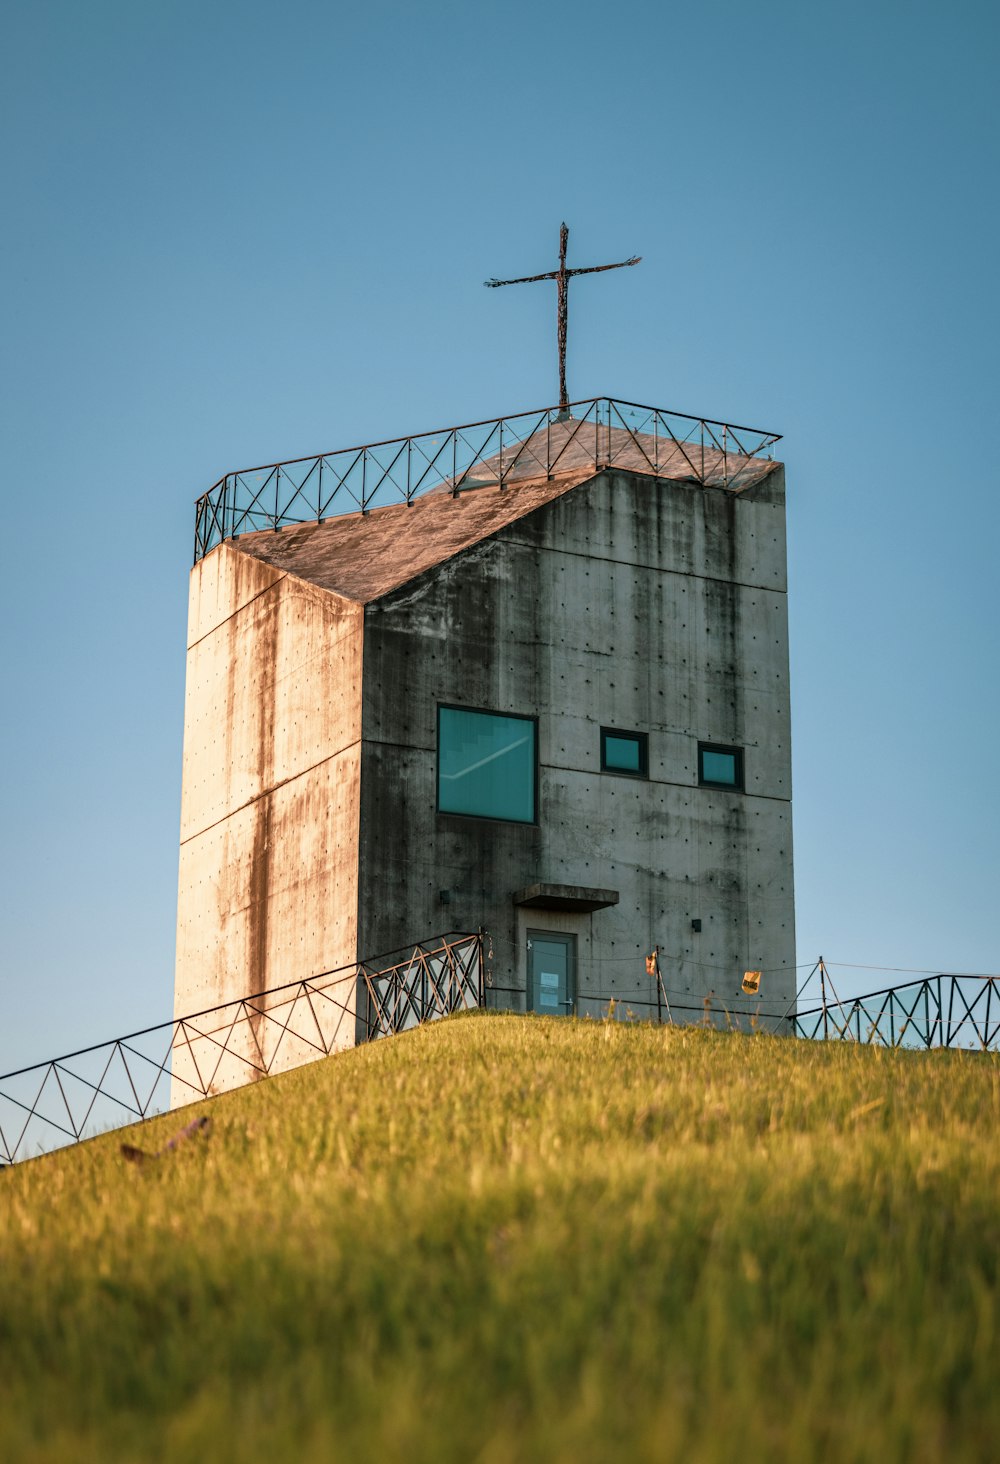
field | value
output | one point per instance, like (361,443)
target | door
(551,973)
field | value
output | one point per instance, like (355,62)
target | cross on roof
(562,277)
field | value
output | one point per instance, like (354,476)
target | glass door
(551,973)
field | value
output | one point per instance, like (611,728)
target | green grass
(505,1240)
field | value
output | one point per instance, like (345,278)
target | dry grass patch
(510,1239)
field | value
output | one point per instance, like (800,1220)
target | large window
(624,752)
(720,767)
(486,764)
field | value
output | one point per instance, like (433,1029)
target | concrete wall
(270,810)
(631,603)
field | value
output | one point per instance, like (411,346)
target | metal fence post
(822,987)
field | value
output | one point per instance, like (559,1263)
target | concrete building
(549,698)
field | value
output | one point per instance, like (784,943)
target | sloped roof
(574,444)
(365,556)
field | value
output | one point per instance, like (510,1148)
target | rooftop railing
(596,432)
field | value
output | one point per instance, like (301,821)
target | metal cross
(562,277)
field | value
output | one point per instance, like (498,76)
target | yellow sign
(651,965)
(751,982)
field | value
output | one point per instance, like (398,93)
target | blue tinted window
(624,752)
(720,766)
(486,765)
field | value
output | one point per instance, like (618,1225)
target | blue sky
(242,232)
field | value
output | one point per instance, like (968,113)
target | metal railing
(937,1011)
(597,432)
(957,1011)
(130,1078)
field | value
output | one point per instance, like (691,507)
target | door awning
(582,898)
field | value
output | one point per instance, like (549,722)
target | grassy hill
(504,1239)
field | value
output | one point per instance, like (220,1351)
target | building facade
(552,705)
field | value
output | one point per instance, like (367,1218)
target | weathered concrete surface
(625,602)
(267,888)
(317,660)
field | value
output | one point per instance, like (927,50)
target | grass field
(505,1240)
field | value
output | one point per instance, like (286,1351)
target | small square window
(487,764)
(624,752)
(720,767)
